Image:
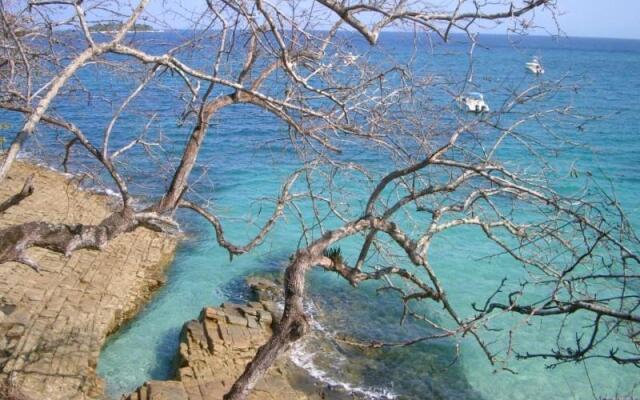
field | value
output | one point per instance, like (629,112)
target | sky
(585,18)
(589,18)
(597,18)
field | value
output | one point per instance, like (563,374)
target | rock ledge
(53,324)
(214,351)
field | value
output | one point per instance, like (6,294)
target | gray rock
(265,289)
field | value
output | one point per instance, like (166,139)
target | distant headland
(115,26)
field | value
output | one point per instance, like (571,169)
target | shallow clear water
(202,274)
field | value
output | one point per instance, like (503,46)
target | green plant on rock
(334,254)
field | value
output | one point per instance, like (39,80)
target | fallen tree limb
(66,238)
(27,190)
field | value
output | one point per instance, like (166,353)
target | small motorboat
(350,59)
(534,66)
(473,102)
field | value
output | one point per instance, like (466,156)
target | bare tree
(294,61)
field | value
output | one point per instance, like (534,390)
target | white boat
(534,66)
(350,59)
(473,102)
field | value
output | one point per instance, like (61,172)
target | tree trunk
(292,327)
(180,180)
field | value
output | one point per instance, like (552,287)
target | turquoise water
(237,174)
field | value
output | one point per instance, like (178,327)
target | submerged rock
(265,289)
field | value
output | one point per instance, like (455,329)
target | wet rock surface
(265,289)
(53,323)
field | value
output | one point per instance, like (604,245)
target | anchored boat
(473,102)
(534,66)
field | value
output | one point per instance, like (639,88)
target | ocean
(245,158)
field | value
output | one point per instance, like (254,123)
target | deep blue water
(237,173)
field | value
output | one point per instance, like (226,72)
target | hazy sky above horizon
(585,18)
(596,18)
(591,18)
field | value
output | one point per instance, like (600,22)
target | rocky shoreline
(215,349)
(53,323)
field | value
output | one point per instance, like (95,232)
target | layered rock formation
(215,350)
(54,323)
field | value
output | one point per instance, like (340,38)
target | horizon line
(536,35)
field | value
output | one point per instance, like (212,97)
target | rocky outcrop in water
(214,351)
(265,289)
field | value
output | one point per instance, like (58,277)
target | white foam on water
(32,158)
(304,358)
